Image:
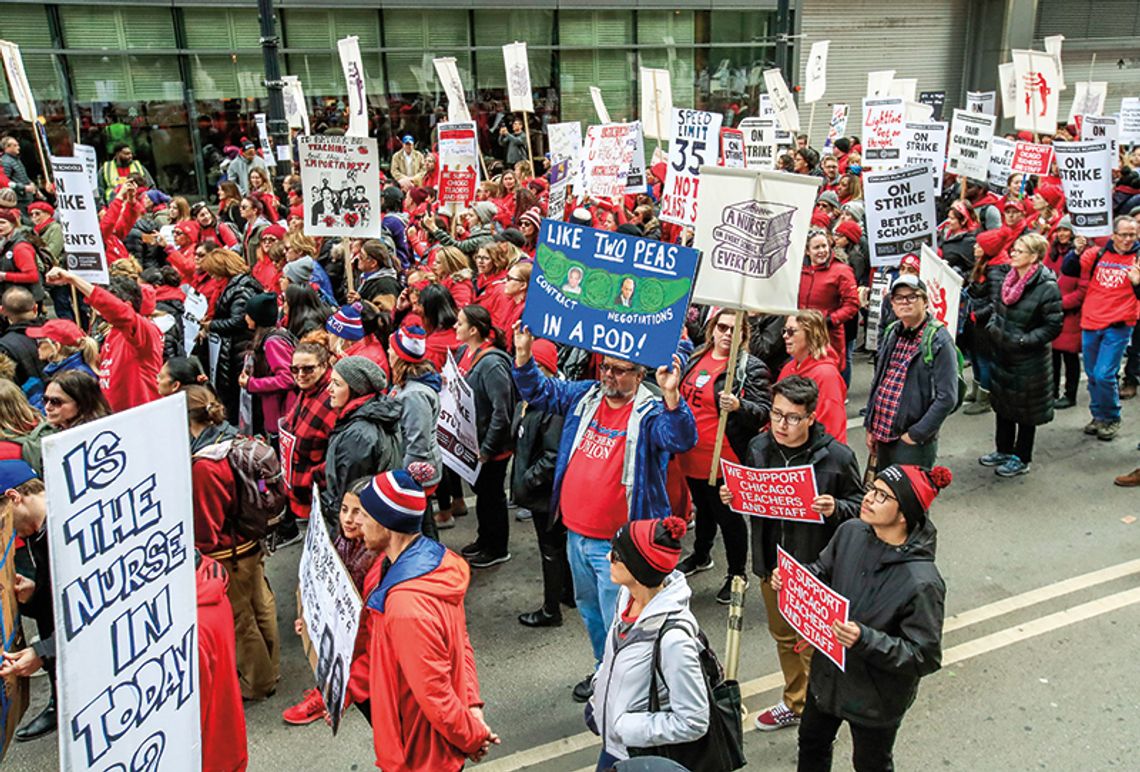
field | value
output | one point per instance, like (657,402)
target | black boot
(550,615)
(44,723)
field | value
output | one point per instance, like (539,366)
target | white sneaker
(776,717)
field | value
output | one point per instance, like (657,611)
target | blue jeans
(982,366)
(1103,350)
(1132,358)
(594,592)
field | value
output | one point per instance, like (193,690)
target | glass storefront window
(595,52)
(99,28)
(222,28)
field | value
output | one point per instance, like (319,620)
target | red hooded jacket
(830,410)
(222,716)
(131,355)
(422,679)
(831,289)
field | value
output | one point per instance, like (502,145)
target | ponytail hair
(202,407)
(480,318)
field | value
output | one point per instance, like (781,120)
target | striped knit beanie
(650,549)
(345,323)
(410,343)
(395,500)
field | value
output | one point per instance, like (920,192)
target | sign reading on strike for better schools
(780,494)
(751,232)
(900,213)
(75,210)
(1086,177)
(694,145)
(882,131)
(340,181)
(1031,158)
(609,293)
(732,148)
(121,538)
(458,163)
(331,608)
(455,432)
(970,137)
(811,608)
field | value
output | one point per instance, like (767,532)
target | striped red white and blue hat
(410,343)
(395,500)
(345,323)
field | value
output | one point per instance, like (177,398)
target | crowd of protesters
(610,461)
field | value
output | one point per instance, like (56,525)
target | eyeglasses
(877,494)
(904,300)
(791,419)
(517,278)
(269,238)
(55,401)
(1125,236)
(303,369)
(788,332)
(615,369)
(724,329)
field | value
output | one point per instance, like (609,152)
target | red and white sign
(883,131)
(694,145)
(1038,91)
(780,494)
(812,608)
(1031,158)
(609,157)
(287,441)
(732,148)
(458,163)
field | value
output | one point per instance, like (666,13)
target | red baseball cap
(63,331)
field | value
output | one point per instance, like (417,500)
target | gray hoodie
(419,414)
(621,686)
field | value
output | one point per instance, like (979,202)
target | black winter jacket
(958,251)
(752,384)
(1020,335)
(766,340)
(836,473)
(229,324)
(897,598)
(495,397)
(536,436)
(362,443)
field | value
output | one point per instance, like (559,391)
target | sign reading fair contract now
(781,494)
(812,608)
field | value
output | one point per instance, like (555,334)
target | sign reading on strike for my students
(1086,177)
(900,213)
(811,607)
(759,142)
(882,130)
(340,181)
(609,293)
(458,163)
(1031,158)
(694,145)
(970,137)
(780,494)
(121,538)
(75,210)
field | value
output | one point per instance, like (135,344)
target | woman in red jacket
(1067,345)
(454,272)
(221,715)
(492,261)
(828,286)
(806,339)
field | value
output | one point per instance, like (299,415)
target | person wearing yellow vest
(115,171)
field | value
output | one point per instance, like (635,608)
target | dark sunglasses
(724,329)
(303,369)
(616,369)
(55,401)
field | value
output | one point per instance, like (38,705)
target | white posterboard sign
(1089,98)
(330,607)
(943,288)
(900,213)
(84,254)
(1038,91)
(455,432)
(1001,164)
(696,136)
(816,72)
(448,74)
(1052,46)
(352,65)
(340,179)
(1130,120)
(656,103)
(759,142)
(904,88)
(970,138)
(121,538)
(517,67)
(837,126)
(1086,177)
(1103,127)
(786,113)
(883,119)
(599,105)
(983,102)
(296,111)
(751,229)
(1007,88)
(609,159)
(566,145)
(194,310)
(879,83)
(90,159)
(924,144)
(263,139)
(18,89)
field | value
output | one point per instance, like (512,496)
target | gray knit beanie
(485,211)
(362,375)
(299,271)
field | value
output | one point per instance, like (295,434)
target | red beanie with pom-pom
(915,488)
(650,549)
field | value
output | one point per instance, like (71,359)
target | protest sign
(656,103)
(353,67)
(883,119)
(599,105)
(121,543)
(970,137)
(693,145)
(779,494)
(1103,127)
(566,145)
(1007,88)
(1084,169)
(635,180)
(759,142)
(751,230)
(904,88)
(732,148)
(837,127)
(263,139)
(786,113)
(517,68)
(816,72)
(448,74)
(879,285)
(768,112)
(811,608)
(608,158)
(18,89)
(924,144)
(943,288)
(609,293)
(458,163)
(1031,158)
(194,310)
(1001,164)
(296,111)
(559,179)
(1130,120)
(13,689)
(331,608)
(916,112)
(1038,91)
(455,432)
(1088,99)
(936,101)
(900,213)
(879,83)
(983,102)
(75,210)
(340,180)
(87,155)
(1052,46)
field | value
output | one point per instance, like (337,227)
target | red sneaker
(311,708)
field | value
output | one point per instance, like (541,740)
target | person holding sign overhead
(883,563)
(795,438)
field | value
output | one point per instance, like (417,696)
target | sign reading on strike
(455,432)
(780,494)
(811,608)
(732,148)
(1030,158)
(1086,177)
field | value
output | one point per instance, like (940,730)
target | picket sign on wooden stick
(735,627)
(729,377)
(657,110)
(75,307)
(811,121)
(346,246)
(529,151)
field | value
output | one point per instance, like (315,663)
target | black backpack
(721,748)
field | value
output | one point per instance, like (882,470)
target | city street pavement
(1043,587)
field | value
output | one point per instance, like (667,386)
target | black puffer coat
(229,324)
(1020,335)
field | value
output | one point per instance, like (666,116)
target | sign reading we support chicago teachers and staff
(781,494)
(609,293)
(812,608)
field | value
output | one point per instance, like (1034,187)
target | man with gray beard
(616,442)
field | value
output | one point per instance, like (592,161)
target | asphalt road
(1043,600)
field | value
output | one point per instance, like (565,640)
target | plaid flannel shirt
(311,422)
(889,393)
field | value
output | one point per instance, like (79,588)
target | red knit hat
(991,241)
(650,549)
(850,230)
(41,206)
(546,354)
(912,262)
(274,231)
(533,217)
(1050,191)
(297,211)
(915,488)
